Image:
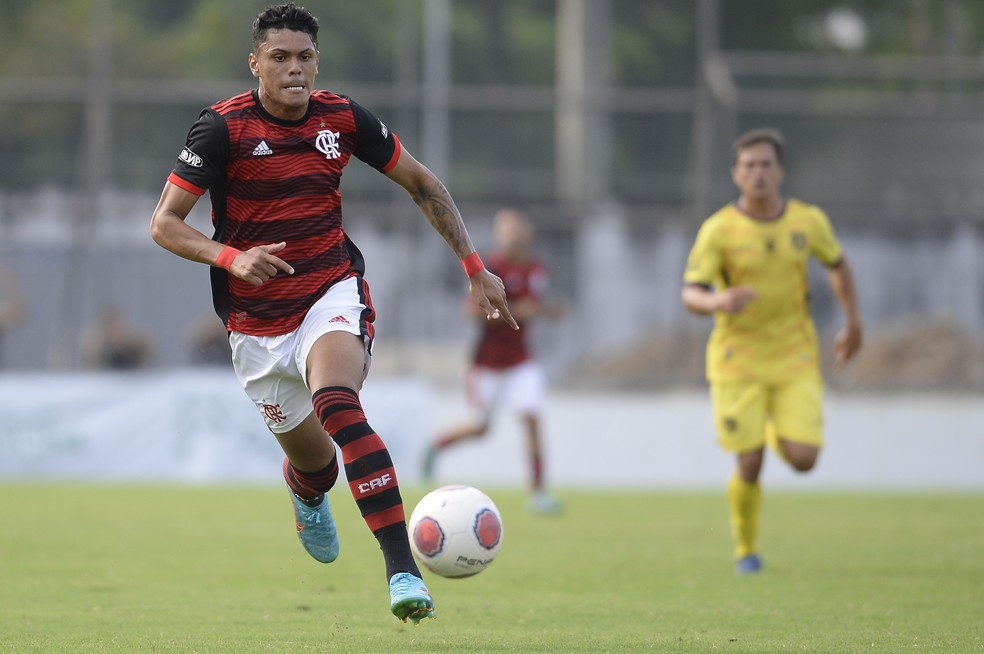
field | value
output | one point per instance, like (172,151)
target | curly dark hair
(284,17)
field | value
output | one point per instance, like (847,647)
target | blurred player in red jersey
(288,282)
(504,373)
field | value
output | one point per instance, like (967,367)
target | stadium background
(609,120)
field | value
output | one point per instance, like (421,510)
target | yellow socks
(744,500)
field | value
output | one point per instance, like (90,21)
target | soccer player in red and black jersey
(504,373)
(288,283)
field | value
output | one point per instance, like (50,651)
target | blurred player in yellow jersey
(748,267)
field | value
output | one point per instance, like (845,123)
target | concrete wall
(198,426)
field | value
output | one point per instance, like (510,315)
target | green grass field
(177,569)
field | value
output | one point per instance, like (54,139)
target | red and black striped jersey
(272,180)
(501,346)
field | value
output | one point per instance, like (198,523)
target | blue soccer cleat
(749,564)
(316,529)
(409,598)
(544,503)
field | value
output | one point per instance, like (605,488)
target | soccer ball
(455,531)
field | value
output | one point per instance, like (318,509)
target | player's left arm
(701,294)
(826,248)
(434,201)
(379,147)
(848,339)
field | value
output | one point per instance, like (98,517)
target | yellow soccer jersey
(773,339)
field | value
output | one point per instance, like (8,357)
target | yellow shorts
(745,412)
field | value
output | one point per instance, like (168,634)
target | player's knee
(803,461)
(750,465)
(803,466)
(801,457)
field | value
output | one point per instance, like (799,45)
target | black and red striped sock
(310,487)
(370,473)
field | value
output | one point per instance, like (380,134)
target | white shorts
(273,369)
(520,388)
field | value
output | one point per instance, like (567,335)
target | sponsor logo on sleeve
(190,158)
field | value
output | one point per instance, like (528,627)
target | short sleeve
(375,144)
(825,246)
(203,159)
(704,261)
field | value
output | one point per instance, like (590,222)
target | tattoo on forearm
(436,204)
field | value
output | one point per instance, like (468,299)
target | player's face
(286,63)
(512,232)
(757,172)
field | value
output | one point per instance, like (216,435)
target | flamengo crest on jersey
(327,142)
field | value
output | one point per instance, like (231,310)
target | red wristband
(224,260)
(472,264)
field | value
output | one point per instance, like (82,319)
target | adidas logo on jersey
(262,149)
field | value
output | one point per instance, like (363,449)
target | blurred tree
(891,26)
(653,43)
(505,42)
(46,38)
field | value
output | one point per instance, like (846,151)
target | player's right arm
(703,300)
(169,229)
(704,265)
(202,162)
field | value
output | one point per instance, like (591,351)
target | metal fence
(617,178)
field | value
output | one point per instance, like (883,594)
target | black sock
(395,544)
